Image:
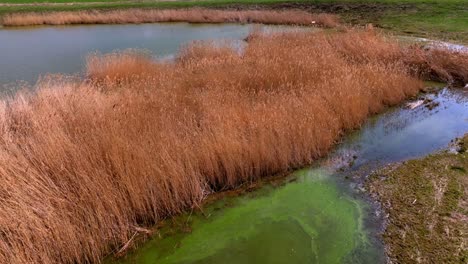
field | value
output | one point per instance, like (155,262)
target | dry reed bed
(439,64)
(433,63)
(194,15)
(84,164)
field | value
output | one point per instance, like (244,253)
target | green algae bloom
(307,221)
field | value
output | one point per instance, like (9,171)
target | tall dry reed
(84,164)
(193,15)
(439,64)
(434,63)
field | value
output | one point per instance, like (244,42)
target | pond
(27,53)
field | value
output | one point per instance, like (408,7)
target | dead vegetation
(84,164)
(193,15)
(427,63)
(440,64)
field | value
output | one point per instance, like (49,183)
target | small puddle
(318,215)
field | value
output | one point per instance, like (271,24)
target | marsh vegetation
(194,15)
(87,162)
(139,141)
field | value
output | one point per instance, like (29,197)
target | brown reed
(193,15)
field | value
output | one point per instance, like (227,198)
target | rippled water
(404,133)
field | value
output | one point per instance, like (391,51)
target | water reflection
(404,133)
(27,53)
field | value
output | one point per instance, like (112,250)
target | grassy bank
(446,19)
(427,204)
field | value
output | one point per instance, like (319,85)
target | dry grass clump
(440,64)
(429,63)
(84,164)
(113,66)
(193,15)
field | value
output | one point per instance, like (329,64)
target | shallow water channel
(318,214)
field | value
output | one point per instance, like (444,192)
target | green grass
(435,21)
(245,1)
(446,19)
(53,1)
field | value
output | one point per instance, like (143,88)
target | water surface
(403,133)
(307,221)
(27,53)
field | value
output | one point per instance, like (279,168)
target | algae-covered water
(306,221)
(316,215)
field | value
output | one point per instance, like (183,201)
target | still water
(27,53)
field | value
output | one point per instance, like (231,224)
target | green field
(446,19)
(245,1)
(54,1)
